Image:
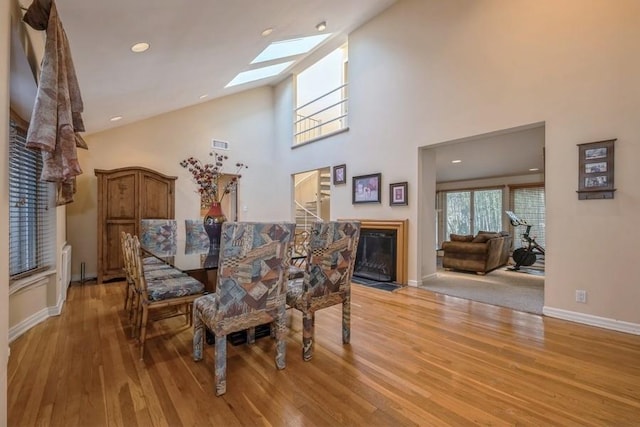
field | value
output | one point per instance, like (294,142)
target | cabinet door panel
(121,196)
(156,197)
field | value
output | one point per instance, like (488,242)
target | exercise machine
(527,254)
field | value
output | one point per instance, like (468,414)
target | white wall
(428,71)
(244,120)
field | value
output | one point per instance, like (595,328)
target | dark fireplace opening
(376,255)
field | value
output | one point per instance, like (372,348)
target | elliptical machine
(525,255)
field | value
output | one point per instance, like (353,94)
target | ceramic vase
(213,220)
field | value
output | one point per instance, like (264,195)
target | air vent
(219,145)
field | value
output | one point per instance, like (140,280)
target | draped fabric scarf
(56,118)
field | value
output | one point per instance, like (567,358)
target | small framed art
(398,194)
(339,174)
(595,170)
(366,188)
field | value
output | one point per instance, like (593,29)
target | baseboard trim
(591,320)
(17,330)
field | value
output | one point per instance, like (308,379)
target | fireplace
(376,256)
(401,229)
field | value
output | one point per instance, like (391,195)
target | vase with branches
(208,177)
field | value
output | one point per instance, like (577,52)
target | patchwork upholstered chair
(197,239)
(250,291)
(159,289)
(159,234)
(327,278)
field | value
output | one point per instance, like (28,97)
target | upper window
(31,229)
(321,98)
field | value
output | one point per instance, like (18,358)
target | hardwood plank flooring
(415,358)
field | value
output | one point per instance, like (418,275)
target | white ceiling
(506,153)
(197,47)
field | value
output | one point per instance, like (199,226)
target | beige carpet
(519,290)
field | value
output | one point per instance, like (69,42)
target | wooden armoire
(125,196)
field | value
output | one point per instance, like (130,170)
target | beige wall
(427,71)
(244,120)
(5,37)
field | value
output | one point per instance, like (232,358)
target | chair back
(159,234)
(330,262)
(197,239)
(252,273)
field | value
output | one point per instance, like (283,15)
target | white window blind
(31,221)
(528,204)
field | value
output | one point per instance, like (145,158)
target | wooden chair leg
(221,364)
(346,320)
(308,320)
(143,330)
(136,315)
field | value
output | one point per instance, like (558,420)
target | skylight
(286,48)
(258,73)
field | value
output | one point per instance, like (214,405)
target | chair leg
(251,335)
(308,320)
(136,315)
(280,326)
(198,336)
(221,364)
(126,295)
(346,320)
(143,329)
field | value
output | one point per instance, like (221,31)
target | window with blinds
(31,221)
(528,204)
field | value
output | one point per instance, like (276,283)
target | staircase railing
(308,217)
(328,112)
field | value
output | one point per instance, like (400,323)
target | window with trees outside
(31,221)
(321,98)
(469,211)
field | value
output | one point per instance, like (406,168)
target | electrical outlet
(581,296)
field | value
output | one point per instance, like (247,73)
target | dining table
(198,257)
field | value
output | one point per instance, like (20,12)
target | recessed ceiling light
(203,96)
(115,118)
(534,169)
(267,31)
(321,26)
(456,161)
(139,47)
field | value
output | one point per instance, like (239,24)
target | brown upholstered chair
(327,277)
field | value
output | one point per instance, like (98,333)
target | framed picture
(366,188)
(595,170)
(339,174)
(398,194)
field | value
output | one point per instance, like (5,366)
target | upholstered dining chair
(250,291)
(159,234)
(161,291)
(154,269)
(197,239)
(327,277)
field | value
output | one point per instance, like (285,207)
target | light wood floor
(415,358)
